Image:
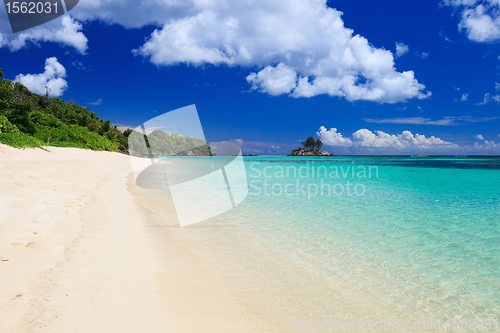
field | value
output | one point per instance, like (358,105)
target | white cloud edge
(64,30)
(53,78)
(378,141)
(401,49)
(315,55)
(479,19)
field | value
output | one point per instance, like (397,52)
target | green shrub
(66,123)
(19,116)
(74,136)
(20,140)
(6,126)
(66,144)
(43,119)
(12,136)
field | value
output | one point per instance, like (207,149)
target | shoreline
(90,251)
(79,254)
(271,283)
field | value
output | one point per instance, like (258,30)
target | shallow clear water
(430,226)
(417,234)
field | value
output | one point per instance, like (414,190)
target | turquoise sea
(355,236)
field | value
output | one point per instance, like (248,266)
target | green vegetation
(12,136)
(310,143)
(32,120)
(162,143)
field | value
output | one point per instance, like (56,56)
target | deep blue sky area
(458,66)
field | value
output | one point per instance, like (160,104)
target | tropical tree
(310,143)
(319,144)
(127,132)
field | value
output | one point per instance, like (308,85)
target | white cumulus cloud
(365,141)
(300,47)
(52,78)
(401,49)
(486,147)
(365,138)
(274,80)
(405,140)
(64,30)
(479,19)
(333,138)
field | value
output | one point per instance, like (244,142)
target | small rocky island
(310,147)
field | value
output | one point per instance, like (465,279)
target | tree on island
(319,144)
(310,143)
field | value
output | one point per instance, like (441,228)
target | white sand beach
(79,254)
(84,249)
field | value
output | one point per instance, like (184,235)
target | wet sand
(79,254)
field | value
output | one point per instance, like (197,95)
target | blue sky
(367,77)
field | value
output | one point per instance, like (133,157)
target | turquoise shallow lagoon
(350,236)
(431,225)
